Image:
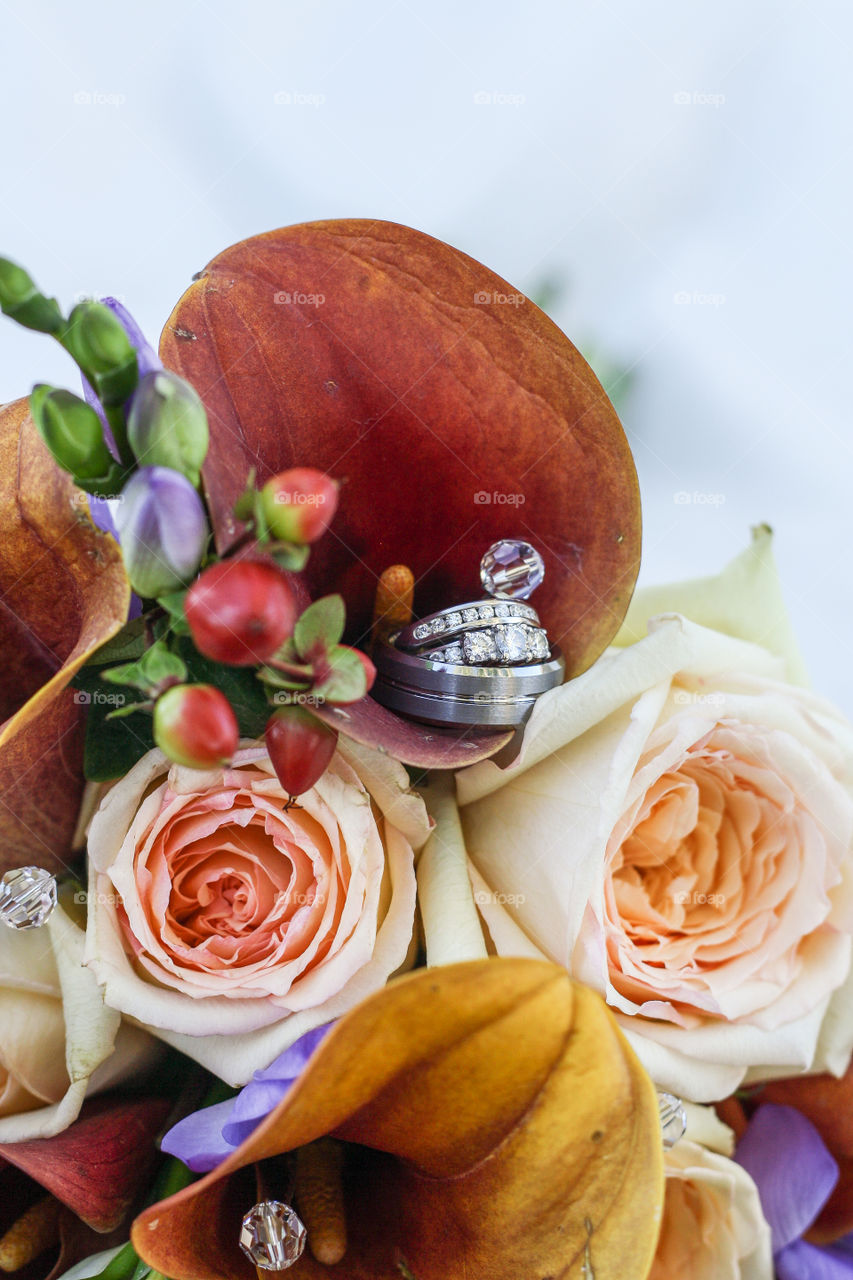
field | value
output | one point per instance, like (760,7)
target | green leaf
(131,709)
(348,679)
(289,555)
(322,623)
(173,603)
(239,685)
(112,746)
(127,646)
(156,665)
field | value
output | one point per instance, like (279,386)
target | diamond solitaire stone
(27,897)
(479,647)
(512,643)
(273,1236)
(511,569)
(673,1118)
(537,645)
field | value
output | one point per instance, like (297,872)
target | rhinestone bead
(479,647)
(673,1118)
(273,1236)
(511,570)
(27,897)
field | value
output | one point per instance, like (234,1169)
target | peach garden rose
(677,831)
(229,923)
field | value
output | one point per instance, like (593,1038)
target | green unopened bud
(21,300)
(72,432)
(98,341)
(167,424)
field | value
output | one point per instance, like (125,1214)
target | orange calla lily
(504,1129)
(452,409)
(63,593)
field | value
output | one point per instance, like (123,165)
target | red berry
(194,725)
(300,747)
(299,504)
(240,612)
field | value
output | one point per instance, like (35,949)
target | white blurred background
(672,179)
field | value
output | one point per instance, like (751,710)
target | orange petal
(451,408)
(63,593)
(505,1130)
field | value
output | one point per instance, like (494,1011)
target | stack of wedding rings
(481,663)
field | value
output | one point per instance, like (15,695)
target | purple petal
(146,357)
(801,1261)
(293,1061)
(267,1087)
(203,1140)
(198,1140)
(789,1163)
(145,354)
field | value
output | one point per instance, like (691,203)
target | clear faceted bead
(27,897)
(511,569)
(673,1118)
(273,1236)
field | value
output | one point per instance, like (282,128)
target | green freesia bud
(98,341)
(73,433)
(21,300)
(167,424)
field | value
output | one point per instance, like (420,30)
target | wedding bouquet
(385,891)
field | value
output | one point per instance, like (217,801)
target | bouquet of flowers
(385,891)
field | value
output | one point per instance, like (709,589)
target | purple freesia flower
(204,1139)
(795,1174)
(147,359)
(162,528)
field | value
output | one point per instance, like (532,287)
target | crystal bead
(27,897)
(511,569)
(273,1236)
(479,647)
(673,1118)
(512,643)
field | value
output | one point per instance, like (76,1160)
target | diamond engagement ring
(484,662)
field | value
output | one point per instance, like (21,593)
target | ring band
(448,622)
(496,696)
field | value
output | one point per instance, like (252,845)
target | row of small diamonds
(450,621)
(508,643)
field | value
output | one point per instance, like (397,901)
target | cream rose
(229,923)
(713,1227)
(677,831)
(58,1041)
